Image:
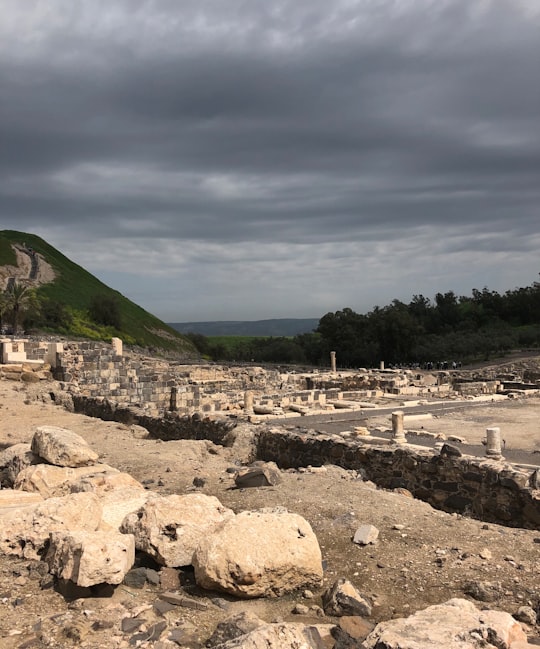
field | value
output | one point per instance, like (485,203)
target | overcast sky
(250,159)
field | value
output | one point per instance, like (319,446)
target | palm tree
(19,299)
(4,308)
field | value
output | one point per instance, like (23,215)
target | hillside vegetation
(75,303)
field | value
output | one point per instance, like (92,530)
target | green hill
(76,294)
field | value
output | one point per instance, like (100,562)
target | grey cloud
(286,122)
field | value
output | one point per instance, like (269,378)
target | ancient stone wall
(484,488)
(490,490)
(95,370)
(171,427)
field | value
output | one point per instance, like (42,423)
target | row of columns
(493,436)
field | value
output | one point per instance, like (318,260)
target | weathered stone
(260,553)
(169,578)
(264,475)
(13,499)
(62,447)
(13,460)
(182,600)
(89,558)
(351,631)
(481,591)
(50,480)
(120,503)
(526,614)
(233,627)
(169,528)
(366,535)
(25,532)
(105,481)
(342,598)
(456,624)
(135,578)
(448,450)
(278,636)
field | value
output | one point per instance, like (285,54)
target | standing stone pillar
(493,446)
(248,402)
(7,348)
(117,346)
(333,361)
(398,429)
(381,365)
(53,349)
(173,403)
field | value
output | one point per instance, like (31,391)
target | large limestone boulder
(25,532)
(50,480)
(169,528)
(456,624)
(105,480)
(62,447)
(120,503)
(13,460)
(262,553)
(90,558)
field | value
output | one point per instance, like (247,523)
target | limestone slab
(62,447)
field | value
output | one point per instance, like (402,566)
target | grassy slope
(75,287)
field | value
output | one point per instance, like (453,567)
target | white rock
(50,480)
(120,503)
(456,624)
(105,481)
(25,532)
(259,553)
(62,447)
(169,528)
(89,558)
(366,535)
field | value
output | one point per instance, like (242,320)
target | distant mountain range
(275,327)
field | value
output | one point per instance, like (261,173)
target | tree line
(443,329)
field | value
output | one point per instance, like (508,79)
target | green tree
(105,310)
(21,299)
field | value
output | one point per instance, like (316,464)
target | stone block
(62,447)
(25,532)
(169,528)
(50,480)
(262,553)
(90,558)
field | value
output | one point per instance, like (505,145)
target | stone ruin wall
(111,386)
(484,488)
(95,370)
(487,489)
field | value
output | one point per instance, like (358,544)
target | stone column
(7,348)
(117,346)
(493,446)
(248,402)
(333,361)
(398,429)
(381,365)
(53,349)
(173,403)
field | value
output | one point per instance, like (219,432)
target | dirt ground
(422,557)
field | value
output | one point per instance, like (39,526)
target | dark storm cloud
(281,124)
